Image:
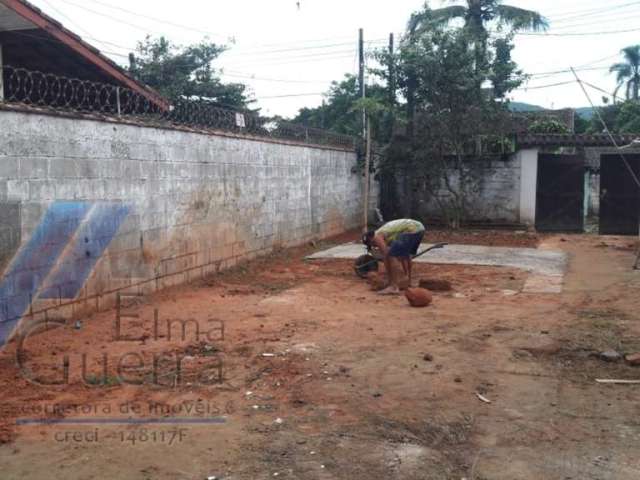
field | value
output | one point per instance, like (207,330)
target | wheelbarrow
(370,261)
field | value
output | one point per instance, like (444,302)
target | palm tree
(478,13)
(628,72)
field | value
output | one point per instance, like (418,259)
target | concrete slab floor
(547,267)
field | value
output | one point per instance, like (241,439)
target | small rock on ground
(610,356)
(633,360)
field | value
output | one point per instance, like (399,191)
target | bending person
(398,241)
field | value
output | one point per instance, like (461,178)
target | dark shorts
(406,245)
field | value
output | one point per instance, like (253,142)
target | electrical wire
(316,94)
(315,47)
(271,55)
(629,17)
(298,61)
(141,15)
(58,42)
(576,34)
(606,129)
(603,91)
(239,52)
(558,72)
(567,13)
(250,76)
(590,13)
(537,87)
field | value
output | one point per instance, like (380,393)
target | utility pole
(411,91)
(363,92)
(1,76)
(392,70)
(367,181)
(392,86)
(366,139)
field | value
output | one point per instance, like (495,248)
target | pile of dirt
(490,238)
(436,285)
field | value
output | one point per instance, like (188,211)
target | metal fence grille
(33,88)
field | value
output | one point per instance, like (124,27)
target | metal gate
(619,196)
(560,197)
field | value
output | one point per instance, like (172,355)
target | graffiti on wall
(58,257)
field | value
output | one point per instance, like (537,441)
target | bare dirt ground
(353,385)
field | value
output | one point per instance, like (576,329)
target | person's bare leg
(403,281)
(392,266)
(409,268)
(389,268)
(405,267)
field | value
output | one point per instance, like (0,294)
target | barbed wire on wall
(38,89)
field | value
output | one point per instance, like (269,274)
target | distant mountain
(524,107)
(585,112)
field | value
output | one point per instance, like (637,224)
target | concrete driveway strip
(547,267)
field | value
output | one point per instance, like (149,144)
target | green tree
(548,126)
(628,120)
(339,110)
(628,72)
(476,15)
(581,124)
(185,72)
(461,117)
(620,118)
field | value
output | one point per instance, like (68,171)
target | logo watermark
(170,353)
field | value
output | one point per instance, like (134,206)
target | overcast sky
(289,54)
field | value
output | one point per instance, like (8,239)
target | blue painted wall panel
(36,259)
(90,242)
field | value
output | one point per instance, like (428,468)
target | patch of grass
(602,328)
(101,380)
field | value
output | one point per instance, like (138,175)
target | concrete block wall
(91,208)
(496,200)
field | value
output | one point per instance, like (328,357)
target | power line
(577,34)
(191,29)
(558,72)
(631,16)
(316,94)
(230,53)
(62,15)
(600,60)
(603,91)
(537,87)
(298,60)
(100,14)
(589,13)
(58,42)
(148,17)
(315,47)
(606,129)
(566,13)
(250,76)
